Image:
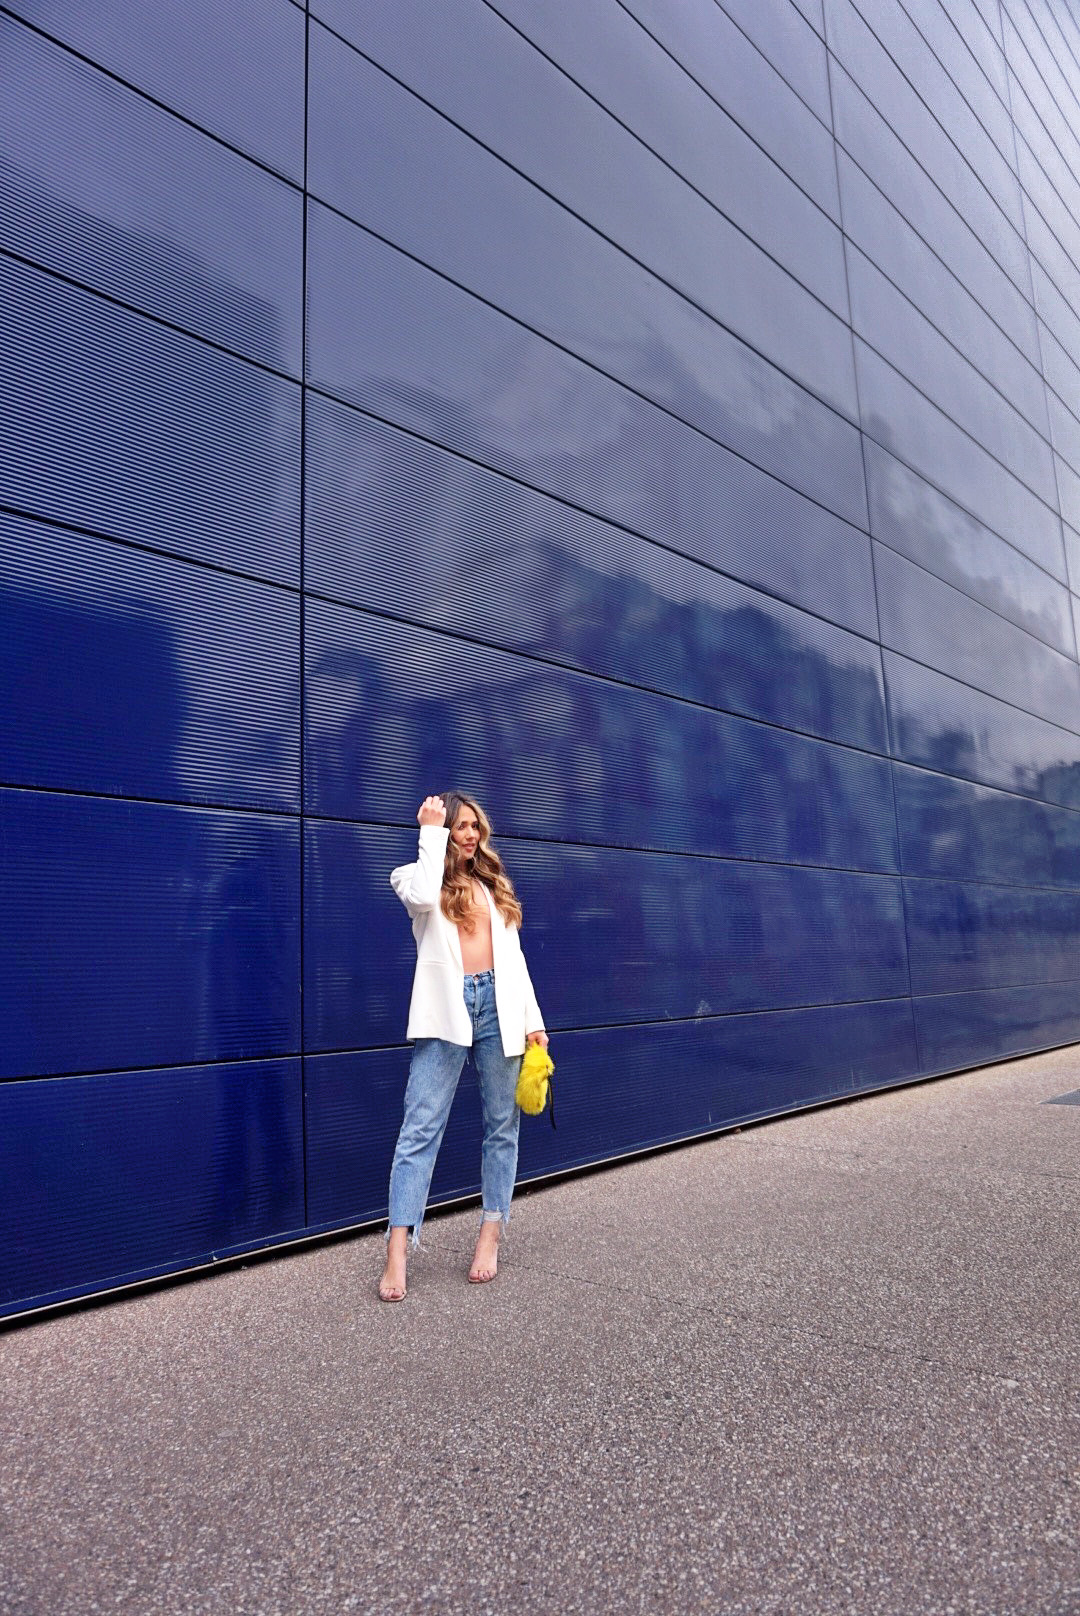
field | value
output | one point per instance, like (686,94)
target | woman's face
(465,831)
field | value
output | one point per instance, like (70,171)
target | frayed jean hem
(414,1234)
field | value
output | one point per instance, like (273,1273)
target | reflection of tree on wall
(990,835)
(407,527)
(156,271)
(948,749)
(559,754)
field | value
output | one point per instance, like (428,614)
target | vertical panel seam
(873,562)
(1028,255)
(303,611)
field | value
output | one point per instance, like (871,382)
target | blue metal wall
(661,417)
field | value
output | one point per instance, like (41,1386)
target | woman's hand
(539,1037)
(432,811)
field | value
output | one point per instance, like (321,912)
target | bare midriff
(476,954)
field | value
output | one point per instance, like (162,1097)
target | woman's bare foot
(485,1263)
(392,1283)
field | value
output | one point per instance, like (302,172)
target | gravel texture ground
(828,1364)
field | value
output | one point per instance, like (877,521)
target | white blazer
(437,1008)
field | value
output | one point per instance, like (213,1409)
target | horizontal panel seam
(662,545)
(948,583)
(383,1049)
(567,1031)
(1065,117)
(594,229)
(380,614)
(295,590)
(981,520)
(660,158)
(123,542)
(215,806)
(1015,707)
(755,47)
(996,886)
(648,1021)
(933,115)
(1001,791)
(154,101)
(1000,987)
(619,848)
(979,444)
(151,316)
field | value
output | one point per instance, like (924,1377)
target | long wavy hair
(485,866)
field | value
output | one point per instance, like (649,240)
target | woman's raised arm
(419,885)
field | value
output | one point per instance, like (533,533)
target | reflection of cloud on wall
(143,206)
(931,529)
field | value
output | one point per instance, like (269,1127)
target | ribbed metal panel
(952,828)
(238,70)
(910,343)
(632,329)
(620,1089)
(917,431)
(105,1177)
(132,430)
(384,157)
(1065,433)
(932,530)
(950,727)
(390,707)
(225,266)
(765,69)
(965,1029)
(127,673)
(418,351)
(141,935)
(487,79)
(981,188)
(965,936)
(584,494)
(1004,351)
(615,59)
(611,935)
(399,526)
(933,623)
(864,134)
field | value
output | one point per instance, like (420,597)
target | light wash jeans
(433,1080)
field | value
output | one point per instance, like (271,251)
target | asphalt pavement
(827,1364)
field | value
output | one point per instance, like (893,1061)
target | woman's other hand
(540,1038)
(432,811)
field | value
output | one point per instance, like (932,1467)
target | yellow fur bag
(534,1086)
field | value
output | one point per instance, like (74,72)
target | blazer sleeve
(419,885)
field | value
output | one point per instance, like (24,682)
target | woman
(471,989)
